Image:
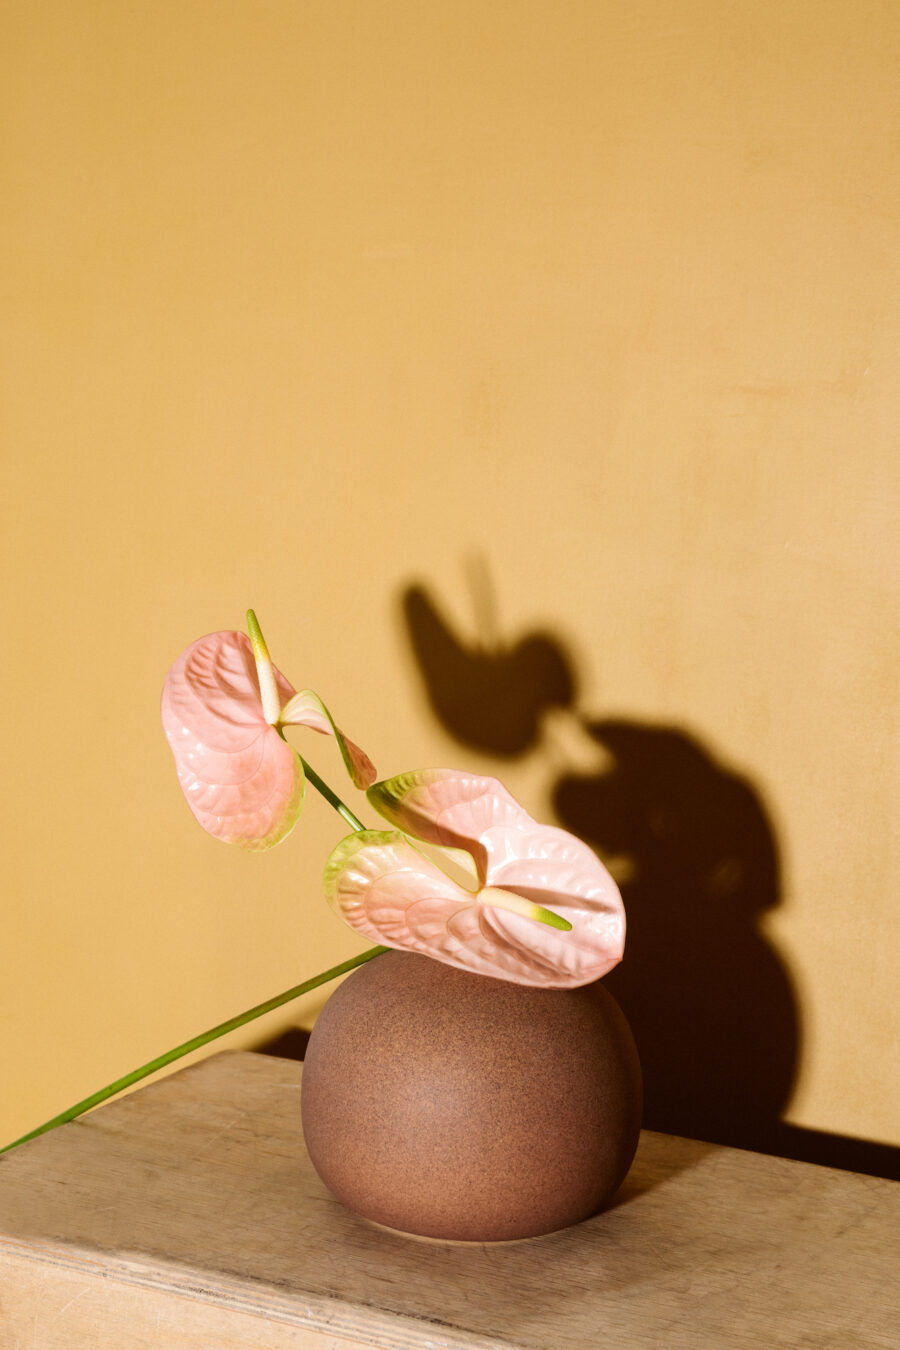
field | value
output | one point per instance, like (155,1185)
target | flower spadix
(224,705)
(385,887)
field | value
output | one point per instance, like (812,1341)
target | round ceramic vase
(455,1106)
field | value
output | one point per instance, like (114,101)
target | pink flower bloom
(386,888)
(223,705)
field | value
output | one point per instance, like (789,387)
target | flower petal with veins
(243,782)
(384,888)
(447,807)
(379,881)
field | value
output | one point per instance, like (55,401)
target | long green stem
(196,1043)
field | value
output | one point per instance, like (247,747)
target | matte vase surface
(457,1106)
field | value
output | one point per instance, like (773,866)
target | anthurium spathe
(224,705)
(387,889)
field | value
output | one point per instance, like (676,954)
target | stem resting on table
(196,1043)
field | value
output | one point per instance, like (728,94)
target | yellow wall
(304,302)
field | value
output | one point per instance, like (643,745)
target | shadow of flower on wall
(489,694)
(708,995)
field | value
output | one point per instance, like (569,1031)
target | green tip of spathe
(256,637)
(552,920)
(268,689)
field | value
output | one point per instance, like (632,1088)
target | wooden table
(188,1215)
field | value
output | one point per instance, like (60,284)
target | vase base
(456,1242)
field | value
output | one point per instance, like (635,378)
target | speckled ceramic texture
(458,1106)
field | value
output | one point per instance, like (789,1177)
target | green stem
(331,797)
(196,1043)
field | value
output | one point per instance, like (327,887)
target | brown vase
(457,1106)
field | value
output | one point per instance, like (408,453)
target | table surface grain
(188,1214)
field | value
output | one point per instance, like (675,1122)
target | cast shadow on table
(709,998)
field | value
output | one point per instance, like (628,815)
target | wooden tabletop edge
(315,1312)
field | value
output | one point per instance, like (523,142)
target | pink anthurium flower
(224,705)
(385,887)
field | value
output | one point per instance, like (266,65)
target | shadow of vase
(710,1002)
